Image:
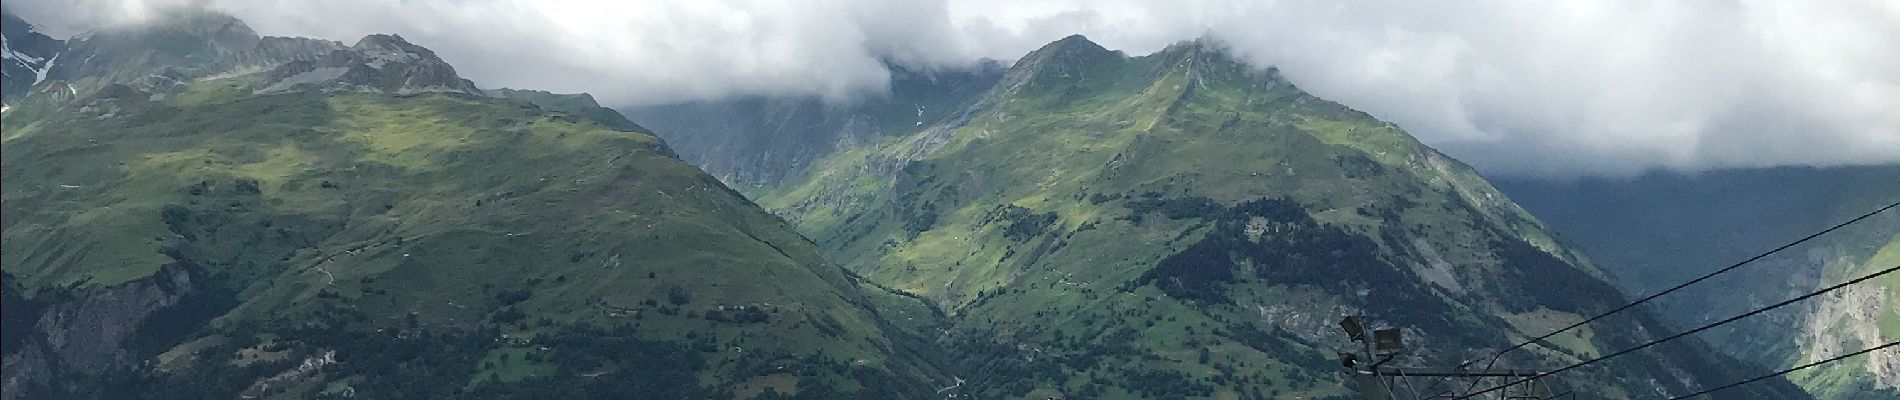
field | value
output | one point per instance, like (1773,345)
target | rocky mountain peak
(224,31)
(391,48)
(1073,60)
(1071,44)
(1071,50)
(176,48)
(1204,45)
(377,63)
(1209,58)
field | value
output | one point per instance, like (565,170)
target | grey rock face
(89,335)
(377,63)
(159,58)
(163,58)
(25,54)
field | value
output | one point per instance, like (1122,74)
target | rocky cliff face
(161,58)
(189,45)
(164,58)
(73,340)
(1848,321)
(377,63)
(25,55)
(1854,318)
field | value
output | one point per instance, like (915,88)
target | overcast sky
(1513,87)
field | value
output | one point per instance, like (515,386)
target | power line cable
(1686,333)
(1500,353)
(1789,370)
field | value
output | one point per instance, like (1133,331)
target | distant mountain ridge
(753,143)
(1660,229)
(580,103)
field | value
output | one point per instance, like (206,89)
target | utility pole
(1380,382)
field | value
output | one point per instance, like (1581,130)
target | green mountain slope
(579,104)
(334,238)
(1182,224)
(1660,229)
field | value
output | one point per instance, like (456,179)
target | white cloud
(1513,87)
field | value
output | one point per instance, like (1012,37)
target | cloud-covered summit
(1515,88)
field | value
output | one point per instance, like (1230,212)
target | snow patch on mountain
(24,53)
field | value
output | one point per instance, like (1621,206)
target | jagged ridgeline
(202,213)
(1182,224)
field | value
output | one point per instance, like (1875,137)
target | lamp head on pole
(1389,339)
(1354,326)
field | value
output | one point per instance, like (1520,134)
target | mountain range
(1100,225)
(194,210)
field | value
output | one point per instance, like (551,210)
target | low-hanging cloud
(1512,87)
